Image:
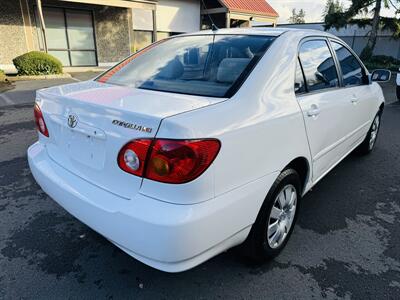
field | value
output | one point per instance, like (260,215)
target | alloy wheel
(374,132)
(281,217)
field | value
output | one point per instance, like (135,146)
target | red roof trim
(258,7)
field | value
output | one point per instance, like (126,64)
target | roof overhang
(251,17)
(255,8)
(144,4)
(242,14)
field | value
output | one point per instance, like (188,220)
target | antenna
(213,26)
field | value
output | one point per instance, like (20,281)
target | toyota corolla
(205,141)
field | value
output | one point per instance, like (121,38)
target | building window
(141,39)
(143,28)
(69,36)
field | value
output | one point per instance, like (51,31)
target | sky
(313,9)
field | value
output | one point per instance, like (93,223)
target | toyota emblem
(72,121)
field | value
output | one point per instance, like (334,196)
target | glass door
(80,36)
(56,34)
(70,36)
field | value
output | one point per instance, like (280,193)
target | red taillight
(39,120)
(169,161)
(174,161)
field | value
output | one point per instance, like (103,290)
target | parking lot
(346,243)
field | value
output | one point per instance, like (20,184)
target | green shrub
(37,63)
(382,62)
(2,75)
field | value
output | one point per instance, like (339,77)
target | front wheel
(276,219)
(369,142)
(398,92)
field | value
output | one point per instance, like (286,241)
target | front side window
(206,65)
(318,65)
(353,72)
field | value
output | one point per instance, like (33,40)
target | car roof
(268,31)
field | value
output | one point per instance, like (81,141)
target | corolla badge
(72,121)
(132,126)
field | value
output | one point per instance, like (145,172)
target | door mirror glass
(381,75)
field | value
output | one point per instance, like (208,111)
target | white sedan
(205,141)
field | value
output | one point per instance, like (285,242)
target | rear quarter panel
(261,129)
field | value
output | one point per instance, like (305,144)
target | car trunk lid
(90,122)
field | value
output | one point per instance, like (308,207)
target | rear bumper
(166,236)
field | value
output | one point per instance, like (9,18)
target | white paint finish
(157,233)
(398,79)
(93,159)
(262,128)
(327,131)
(262,116)
(178,15)
(124,99)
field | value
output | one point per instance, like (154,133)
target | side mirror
(321,77)
(298,87)
(381,75)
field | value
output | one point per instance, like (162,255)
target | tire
(259,244)
(369,142)
(398,92)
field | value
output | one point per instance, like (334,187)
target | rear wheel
(369,142)
(398,92)
(276,219)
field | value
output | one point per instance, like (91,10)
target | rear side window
(206,65)
(353,72)
(318,65)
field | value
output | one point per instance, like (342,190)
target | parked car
(205,141)
(398,85)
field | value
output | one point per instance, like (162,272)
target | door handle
(354,99)
(313,111)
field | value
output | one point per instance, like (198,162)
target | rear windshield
(206,65)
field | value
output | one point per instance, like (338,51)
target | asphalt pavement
(346,243)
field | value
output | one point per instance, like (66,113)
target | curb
(38,77)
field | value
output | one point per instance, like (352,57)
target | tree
(332,6)
(298,17)
(339,17)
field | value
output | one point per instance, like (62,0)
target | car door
(325,105)
(356,82)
